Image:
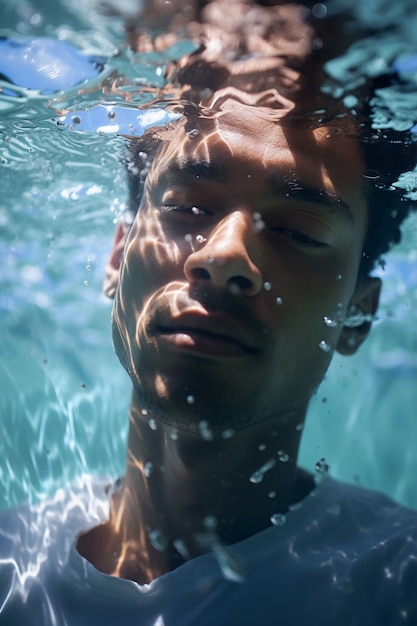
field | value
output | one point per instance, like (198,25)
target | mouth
(208,337)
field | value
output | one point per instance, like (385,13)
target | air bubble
(272,494)
(230,563)
(322,467)
(193,133)
(148,469)
(205,430)
(228,433)
(152,424)
(158,540)
(283,456)
(258,475)
(179,545)
(371,174)
(299,426)
(76,120)
(262,447)
(267,286)
(210,522)
(200,239)
(112,115)
(279,300)
(144,411)
(319,10)
(334,510)
(278,519)
(329,322)
(339,276)
(190,399)
(323,345)
(195,210)
(86,283)
(188,237)
(173,434)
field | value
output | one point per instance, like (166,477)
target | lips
(209,334)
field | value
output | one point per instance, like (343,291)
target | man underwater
(244,268)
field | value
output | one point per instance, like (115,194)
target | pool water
(63,396)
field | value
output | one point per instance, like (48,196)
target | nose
(225,259)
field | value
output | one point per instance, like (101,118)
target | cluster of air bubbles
(88,269)
(354,317)
(258,475)
(283,456)
(278,519)
(205,430)
(158,540)
(117,208)
(322,470)
(259,224)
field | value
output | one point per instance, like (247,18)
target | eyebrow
(289,187)
(198,168)
(296,190)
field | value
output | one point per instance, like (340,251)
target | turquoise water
(64,397)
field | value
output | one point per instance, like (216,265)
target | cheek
(151,257)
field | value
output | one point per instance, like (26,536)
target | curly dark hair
(299,75)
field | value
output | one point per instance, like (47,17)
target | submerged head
(259,222)
(247,244)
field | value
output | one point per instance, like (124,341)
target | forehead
(245,143)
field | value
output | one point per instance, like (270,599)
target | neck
(181,494)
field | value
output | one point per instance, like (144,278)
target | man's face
(248,236)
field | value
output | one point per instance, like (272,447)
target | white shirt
(345,557)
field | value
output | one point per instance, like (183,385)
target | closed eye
(302,238)
(172,209)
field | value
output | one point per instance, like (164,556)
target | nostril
(199,273)
(241,282)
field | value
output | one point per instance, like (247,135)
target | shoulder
(37,541)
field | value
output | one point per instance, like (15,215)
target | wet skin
(229,223)
(243,214)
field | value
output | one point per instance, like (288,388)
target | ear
(366,298)
(112,270)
